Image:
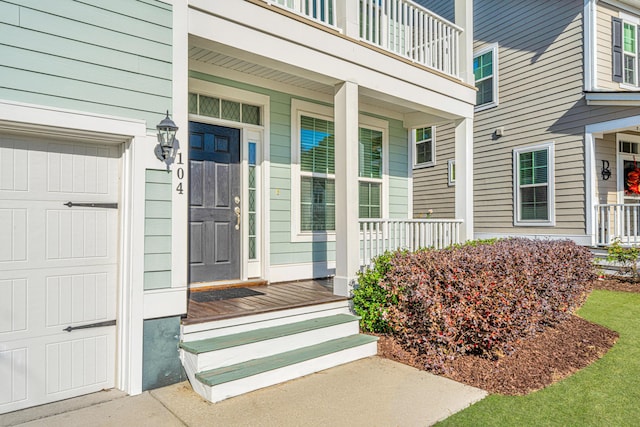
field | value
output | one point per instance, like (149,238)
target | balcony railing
(617,221)
(399,26)
(409,30)
(380,235)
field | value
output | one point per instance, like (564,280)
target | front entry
(214,203)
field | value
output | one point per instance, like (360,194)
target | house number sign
(180,173)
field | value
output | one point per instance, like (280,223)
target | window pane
(316,145)
(629,69)
(629,38)
(209,106)
(193,103)
(317,206)
(484,95)
(534,203)
(230,110)
(250,114)
(369,197)
(423,134)
(533,167)
(370,153)
(483,65)
(424,152)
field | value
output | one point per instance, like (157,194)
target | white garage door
(58,269)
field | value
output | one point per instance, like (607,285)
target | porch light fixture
(166,138)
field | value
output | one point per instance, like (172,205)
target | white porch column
(464,176)
(346,163)
(464,19)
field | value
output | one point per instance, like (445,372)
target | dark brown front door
(214,203)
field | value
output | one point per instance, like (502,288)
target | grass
(606,393)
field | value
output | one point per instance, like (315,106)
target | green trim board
(264,334)
(258,366)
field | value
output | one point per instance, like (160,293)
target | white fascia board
(626,99)
(277,38)
(56,120)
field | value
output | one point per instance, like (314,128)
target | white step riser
(249,323)
(234,355)
(266,379)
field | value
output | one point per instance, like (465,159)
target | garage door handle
(91,325)
(92,205)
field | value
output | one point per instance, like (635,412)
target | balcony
(401,27)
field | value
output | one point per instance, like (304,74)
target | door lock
(237,200)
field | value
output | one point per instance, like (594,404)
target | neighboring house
(556,127)
(296,119)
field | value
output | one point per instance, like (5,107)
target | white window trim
(412,135)
(300,108)
(549,146)
(494,49)
(451,180)
(630,19)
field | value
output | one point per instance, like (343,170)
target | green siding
(157,230)
(110,58)
(160,355)
(282,249)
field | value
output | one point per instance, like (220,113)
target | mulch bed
(537,362)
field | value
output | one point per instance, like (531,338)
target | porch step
(226,365)
(234,380)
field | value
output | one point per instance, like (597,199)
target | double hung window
(533,194)
(485,63)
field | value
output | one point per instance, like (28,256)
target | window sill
(534,224)
(424,165)
(319,236)
(485,106)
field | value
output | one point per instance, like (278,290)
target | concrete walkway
(368,392)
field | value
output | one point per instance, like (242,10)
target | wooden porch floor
(276,296)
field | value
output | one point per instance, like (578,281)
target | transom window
(425,147)
(534,185)
(219,108)
(484,71)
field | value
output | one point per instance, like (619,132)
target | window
(485,64)
(224,109)
(624,36)
(314,193)
(425,148)
(533,187)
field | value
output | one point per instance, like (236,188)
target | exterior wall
(111,58)
(321,254)
(431,189)
(157,230)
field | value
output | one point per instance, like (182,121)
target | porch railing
(617,221)
(399,26)
(380,235)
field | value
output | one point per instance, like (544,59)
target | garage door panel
(58,268)
(13,235)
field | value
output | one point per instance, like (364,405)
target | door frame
(248,133)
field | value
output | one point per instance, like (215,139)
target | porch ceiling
(247,68)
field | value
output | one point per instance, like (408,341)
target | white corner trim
(590,45)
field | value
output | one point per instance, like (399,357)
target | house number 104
(180,174)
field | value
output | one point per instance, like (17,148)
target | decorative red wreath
(633,179)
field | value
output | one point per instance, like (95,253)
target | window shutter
(616,58)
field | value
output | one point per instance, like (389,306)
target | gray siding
(603,40)
(157,230)
(107,57)
(430,186)
(606,150)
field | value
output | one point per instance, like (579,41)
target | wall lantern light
(166,138)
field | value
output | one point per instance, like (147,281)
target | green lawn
(607,393)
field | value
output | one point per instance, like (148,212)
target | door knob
(237,212)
